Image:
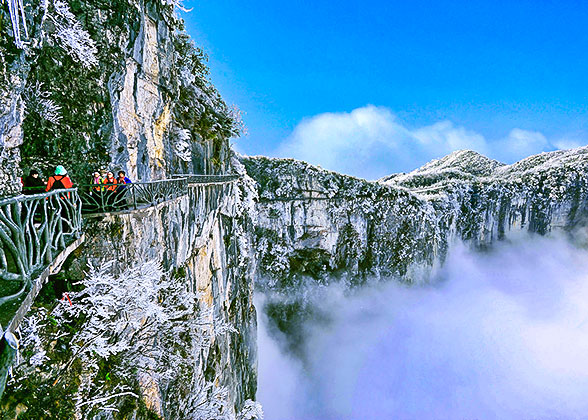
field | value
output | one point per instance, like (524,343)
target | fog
(495,335)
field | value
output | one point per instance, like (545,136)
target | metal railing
(207,179)
(105,198)
(33,230)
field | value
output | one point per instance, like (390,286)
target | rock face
(145,128)
(317,223)
(11,136)
(200,239)
(158,83)
(201,362)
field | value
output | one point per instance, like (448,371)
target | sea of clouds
(495,335)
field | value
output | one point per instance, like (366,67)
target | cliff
(321,224)
(161,322)
(161,326)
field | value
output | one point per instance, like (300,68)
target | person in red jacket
(59,181)
(110,191)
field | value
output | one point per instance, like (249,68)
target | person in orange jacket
(109,182)
(59,181)
(110,190)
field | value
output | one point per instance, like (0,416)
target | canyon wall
(321,224)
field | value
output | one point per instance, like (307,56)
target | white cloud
(370,142)
(566,143)
(361,142)
(520,144)
(498,335)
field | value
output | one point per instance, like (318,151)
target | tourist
(96,180)
(122,180)
(109,182)
(59,181)
(110,190)
(33,184)
(95,200)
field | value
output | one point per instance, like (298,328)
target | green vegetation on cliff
(71,73)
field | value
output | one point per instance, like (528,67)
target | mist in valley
(495,335)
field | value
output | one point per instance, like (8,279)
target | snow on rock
(163,323)
(315,223)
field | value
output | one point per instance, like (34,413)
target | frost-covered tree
(39,101)
(118,338)
(68,33)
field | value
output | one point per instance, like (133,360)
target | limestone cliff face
(143,96)
(199,363)
(11,136)
(150,95)
(318,223)
(197,237)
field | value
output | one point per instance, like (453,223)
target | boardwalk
(38,232)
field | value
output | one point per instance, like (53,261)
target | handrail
(33,229)
(205,179)
(105,198)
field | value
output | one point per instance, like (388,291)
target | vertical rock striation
(11,135)
(199,239)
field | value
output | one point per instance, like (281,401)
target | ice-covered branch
(39,102)
(71,36)
(17,18)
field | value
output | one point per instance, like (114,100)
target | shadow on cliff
(496,334)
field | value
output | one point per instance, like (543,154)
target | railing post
(48,236)
(33,228)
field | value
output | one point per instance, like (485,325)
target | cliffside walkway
(99,199)
(38,232)
(207,179)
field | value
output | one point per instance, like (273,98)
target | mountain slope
(317,223)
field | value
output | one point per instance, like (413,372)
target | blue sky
(375,87)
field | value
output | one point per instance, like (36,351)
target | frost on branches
(117,332)
(182,140)
(70,34)
(57,24)
(38,101)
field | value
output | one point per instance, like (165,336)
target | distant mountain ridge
(314,222)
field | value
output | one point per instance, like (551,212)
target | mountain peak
(467,161)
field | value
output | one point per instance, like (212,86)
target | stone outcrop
(149,109)
(200,239)
(150,138)
(140,108)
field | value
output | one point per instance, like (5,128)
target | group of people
(104,188)
(34,184)
(108,190)
(106,181)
